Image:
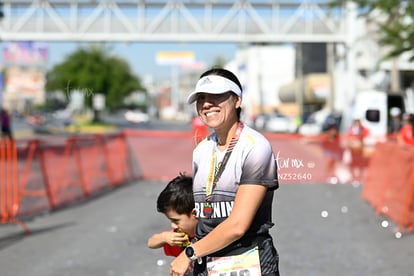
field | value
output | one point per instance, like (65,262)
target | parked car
(136,116)
(313,124)
(48,123)
(320,122)
(36,119)
(275,122)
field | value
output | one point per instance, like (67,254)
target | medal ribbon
(214,176)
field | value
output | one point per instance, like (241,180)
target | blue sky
(142,56)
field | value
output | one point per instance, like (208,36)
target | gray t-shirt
(251,162)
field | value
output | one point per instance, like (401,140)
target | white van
(373,109)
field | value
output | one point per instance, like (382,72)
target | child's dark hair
(177,196)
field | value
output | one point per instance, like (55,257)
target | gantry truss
(173,21)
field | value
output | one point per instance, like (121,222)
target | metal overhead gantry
(240,21)
(178,21)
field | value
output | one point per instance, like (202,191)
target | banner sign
(175,58)
(25,52)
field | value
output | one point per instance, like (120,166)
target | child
(332,151)
(176,202)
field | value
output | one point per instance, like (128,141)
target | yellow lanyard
(210,178)
(214,176)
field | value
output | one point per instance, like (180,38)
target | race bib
(246,264)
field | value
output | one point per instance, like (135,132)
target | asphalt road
(321,229)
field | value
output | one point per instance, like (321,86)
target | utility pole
(351,16)
(330,65)
(301,87)
(395,77)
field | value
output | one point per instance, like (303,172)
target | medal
(207,210)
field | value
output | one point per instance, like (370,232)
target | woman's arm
(247,201)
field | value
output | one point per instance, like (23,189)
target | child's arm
(172,238)
(157,240)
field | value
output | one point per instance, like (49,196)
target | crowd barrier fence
(161,155)
(49,173)
(9,187)
(389,184)
(41,175)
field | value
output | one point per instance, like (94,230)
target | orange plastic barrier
(84,166)
(33,193)
(389,183)
(312,159)
(46,174)
(200,130)
(42,175)
(161,155)
(9,188)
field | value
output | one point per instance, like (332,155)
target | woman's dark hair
(177,196)
(228,75)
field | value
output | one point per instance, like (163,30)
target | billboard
(175,57)
(26,53)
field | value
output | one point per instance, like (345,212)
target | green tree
(395,19)
(219,62)
(93,70)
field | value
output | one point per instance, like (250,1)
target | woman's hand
(179,265)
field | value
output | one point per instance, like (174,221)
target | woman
(406,133)
(235,175)
(356,135)
(5,123)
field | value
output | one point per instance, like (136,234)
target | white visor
(214,84)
